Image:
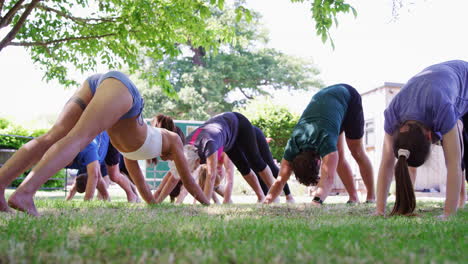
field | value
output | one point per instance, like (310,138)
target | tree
(64,34)
(205,79)
(83,33)
(275,122)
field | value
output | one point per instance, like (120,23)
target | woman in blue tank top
(108,102)
(426,109)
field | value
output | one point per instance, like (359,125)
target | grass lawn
(118,232)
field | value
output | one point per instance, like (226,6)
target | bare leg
(267,176)
(124,182)
(345,173)
(253,182)
(101,113)
(356,147)
(462,200)
(30,153)
(215,198)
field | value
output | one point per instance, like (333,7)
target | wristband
(317,200)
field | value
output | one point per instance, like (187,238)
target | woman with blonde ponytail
(426,110)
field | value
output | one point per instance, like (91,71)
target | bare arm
(211,164)
(94,171)
(102,188)
(280,182)
(183,193)
(229,166)
(171,183)
(139,180)
(452,153)
(161,186)
(327,175)
(72,192)
(385,176)
(184,172)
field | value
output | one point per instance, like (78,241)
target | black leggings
(465,146)
(268,158)
(245,153)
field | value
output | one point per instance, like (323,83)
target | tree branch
(76,19)
(6,20)
(47,43)
(1,8)
(246,96)
(11,35)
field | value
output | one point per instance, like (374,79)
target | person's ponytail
(411,147)
(405,201)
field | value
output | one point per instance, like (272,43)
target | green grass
(118,232)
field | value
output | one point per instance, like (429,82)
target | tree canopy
(83,33)
(62,35)
(205,80)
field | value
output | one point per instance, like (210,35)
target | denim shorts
(138,103)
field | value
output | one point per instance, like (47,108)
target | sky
(370,50)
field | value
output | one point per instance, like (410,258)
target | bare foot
(23,203)
(4,205)
(133,198)
(290,199)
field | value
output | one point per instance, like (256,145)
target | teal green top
(319,126)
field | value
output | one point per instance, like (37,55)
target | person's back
(436,97)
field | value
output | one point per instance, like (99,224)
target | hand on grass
(442,217)
(267,199)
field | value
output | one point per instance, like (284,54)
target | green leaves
(206,79)
(61,36)
(325,14)
(275,122)
(80,34)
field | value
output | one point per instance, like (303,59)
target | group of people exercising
(103,120)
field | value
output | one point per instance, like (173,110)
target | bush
(8,141)
(58,181)
(276,122)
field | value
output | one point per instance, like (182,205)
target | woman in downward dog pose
(424,111)
(171,183)
(317,142)
(234,133)
(108,102)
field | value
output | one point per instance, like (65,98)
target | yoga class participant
(425,110)
(105,102)
(234,133)
(333,117)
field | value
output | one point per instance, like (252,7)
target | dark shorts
(103,170)
(353,122)
(113,156)
(465,146)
